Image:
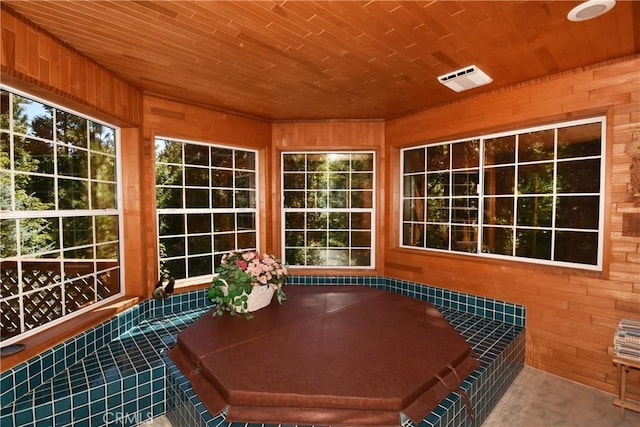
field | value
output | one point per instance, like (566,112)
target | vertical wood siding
(34,61)
(571,314)
(173,119)
(330,135)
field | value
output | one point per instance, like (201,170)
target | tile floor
(539,399)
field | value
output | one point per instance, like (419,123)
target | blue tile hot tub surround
(117,373)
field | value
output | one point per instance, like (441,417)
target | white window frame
(371,211)
(194,280)
(66,213)
(598,266)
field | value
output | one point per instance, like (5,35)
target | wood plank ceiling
(296,60)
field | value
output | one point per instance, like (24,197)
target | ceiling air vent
(465,78)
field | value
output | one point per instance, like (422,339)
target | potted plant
(246,282)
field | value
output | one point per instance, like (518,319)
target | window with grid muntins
(206,203)
(534,195)
(328,201)
(59,213)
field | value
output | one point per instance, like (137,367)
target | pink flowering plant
(238,274)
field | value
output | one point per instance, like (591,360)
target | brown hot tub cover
(332,355)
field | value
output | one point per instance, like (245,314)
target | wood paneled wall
(571,315)
(330,135)
(172,119)
(34,61)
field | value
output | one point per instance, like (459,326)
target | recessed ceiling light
(590,9)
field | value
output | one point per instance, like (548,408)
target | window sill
(37,343)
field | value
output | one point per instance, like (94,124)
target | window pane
(196,177)
(361,257)
(103,196)
(294,199)
(317,199)
(198,223)
(580,141)
(71,129)
(361,220)
(317,162)
(221,157)
(498,210)
(172,247)
(338,199)
(438,184)
(498,151)
(195,154)
(338,220)
(102,138)
(38,235)
(4,109)
(465,183)
(338,181)
(578,212)
(413,234)
(294,220)
(414,160)
(438,157)
(168,152)
(413,210)
(579,176)
(294,238)
(106,229)
(34,193)
(362,162)
(339,162)
(294,162)
(362,181)
(535,211)
(338,239)
(437,236)
(465,238)
(576,247)
(246,221)
(32,117)
(73,162)
(538,145)
(175,267)
(294,181)
(199,244)
(535,179)
(197,198)
(8,245)
(497,240)
(245,160)
(168,174)
(221,198)
(466,154)
(246,241)
(199,266)
(362,199)
(32,155)
(224,222)
(171,224)
(168,197)
(414,185)
(533,243)
(499,180)
(465,210)
(438,210)
(245,199)
(224,242)
(245,179)
(77,231)
(221,178)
